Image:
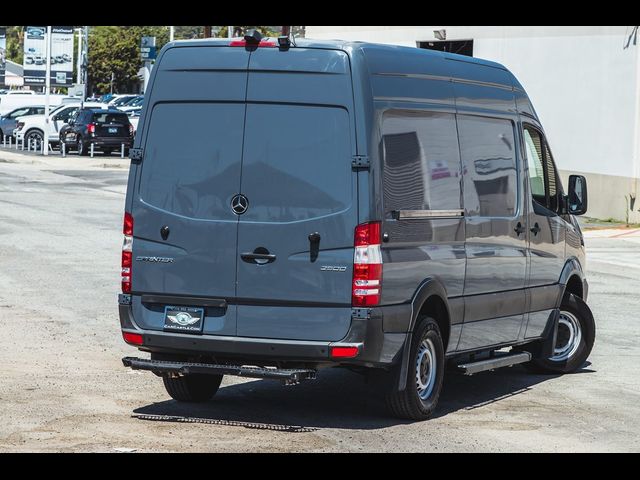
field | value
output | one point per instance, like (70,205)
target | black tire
(35,136)
(572,309)
(408,403)
(82,149)
(192,388)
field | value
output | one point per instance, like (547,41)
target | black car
(107,129)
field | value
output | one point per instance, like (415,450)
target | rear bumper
(111,142)
(376,347)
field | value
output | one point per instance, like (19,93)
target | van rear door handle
(519,229)
(258,258)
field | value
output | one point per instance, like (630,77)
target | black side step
(500,361)
(288,376)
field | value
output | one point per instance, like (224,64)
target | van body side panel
(421,172)
(297,177)
(479,87)
(493,188)
(418,168)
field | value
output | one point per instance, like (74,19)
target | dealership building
(584,83)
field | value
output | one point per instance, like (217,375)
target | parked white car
(20,98)
(32,128)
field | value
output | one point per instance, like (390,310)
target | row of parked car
(40,59)
(106,125)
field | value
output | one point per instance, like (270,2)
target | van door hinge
(360,162)
(136,154)
(361,313)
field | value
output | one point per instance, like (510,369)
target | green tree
(116,50)
(15,42)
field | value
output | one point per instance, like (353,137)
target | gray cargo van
(292,207)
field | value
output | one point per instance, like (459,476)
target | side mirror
(577,198)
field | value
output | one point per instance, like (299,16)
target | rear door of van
(192,140)
(295,240)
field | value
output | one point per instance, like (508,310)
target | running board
(506,360)
(288,376)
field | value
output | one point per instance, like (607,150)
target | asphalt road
(63,387)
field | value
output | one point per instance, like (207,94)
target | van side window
(487,148)
(421,161)
(543,177)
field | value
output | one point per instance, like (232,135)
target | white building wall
(582,83)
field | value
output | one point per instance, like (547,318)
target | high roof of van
(396,59)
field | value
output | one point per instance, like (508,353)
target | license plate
(183,319)
(113,130)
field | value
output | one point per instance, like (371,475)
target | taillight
(91,128)
(127,256)
(241,42)
(367,265)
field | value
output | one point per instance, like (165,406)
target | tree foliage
(15,41)
(116,50)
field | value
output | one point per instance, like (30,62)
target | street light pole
(230,31)
(171,34)
(47,87)
(79,59)
(85,65)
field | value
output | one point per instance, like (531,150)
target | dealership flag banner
(3,53)
(35,65)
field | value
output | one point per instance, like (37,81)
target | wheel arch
(34,129)
(572,280)
(430,298)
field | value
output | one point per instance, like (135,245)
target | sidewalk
(55,159)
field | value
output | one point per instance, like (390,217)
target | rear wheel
(34,138)
(424,375)
(82,148)
(574,340)
(191,388)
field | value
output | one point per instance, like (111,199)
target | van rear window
(192,159)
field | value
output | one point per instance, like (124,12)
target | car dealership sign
(61,56)
(148,48)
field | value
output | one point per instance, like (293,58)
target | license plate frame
(181,319)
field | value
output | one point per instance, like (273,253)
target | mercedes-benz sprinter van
(292,207)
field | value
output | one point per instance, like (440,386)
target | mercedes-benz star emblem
(239,204)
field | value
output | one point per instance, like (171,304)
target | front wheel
(574,340)
(424,376)
(192,388)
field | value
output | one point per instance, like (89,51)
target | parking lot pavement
(63,386)
(56,160)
